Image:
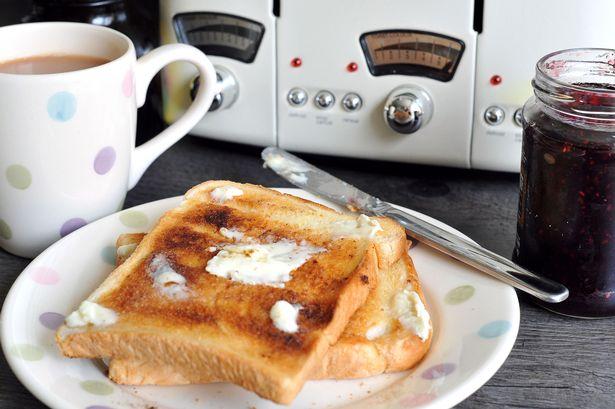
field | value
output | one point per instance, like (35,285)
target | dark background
(557,362)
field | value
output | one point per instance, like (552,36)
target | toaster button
(297,97)
(494,115)
(352,102)
(518,117)
(324,99)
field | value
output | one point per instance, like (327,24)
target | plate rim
(450,399)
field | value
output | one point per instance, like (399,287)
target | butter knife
(321,183)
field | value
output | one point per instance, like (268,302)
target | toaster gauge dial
(220,34)
(412,52)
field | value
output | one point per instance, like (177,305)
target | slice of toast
(376,340)
(216,321)
(352,356)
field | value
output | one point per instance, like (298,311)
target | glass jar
(566,219)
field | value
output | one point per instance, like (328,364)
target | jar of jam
(566,219)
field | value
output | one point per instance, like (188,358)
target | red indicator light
(352,67)
(296,62)
(495,80)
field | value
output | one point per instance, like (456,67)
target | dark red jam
(566,220)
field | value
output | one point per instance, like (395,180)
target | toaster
(438,82)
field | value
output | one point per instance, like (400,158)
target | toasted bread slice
(352,356)
(375,341)
(222,327)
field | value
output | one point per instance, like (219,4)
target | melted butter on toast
(225,193)
(91,313)
(166,279)
(284,316)
(411,312)
(254,263)
(363,226)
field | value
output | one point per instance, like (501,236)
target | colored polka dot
(104,161)
(62,106)
(128,84)
(71,225)
(494,329)
(97,387)
(27,352)
(133,218)
(51,320)
(416,399)
(18,176)
(439,371)
(44,275)
(459,294)
(108,254)
(5,230)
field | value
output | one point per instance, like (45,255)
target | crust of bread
(217,343)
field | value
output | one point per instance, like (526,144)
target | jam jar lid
(578,85)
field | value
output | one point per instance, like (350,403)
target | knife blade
(314,180)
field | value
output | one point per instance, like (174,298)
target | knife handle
(479,257)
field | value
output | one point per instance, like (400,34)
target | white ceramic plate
(476,319)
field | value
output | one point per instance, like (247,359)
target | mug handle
(146,67)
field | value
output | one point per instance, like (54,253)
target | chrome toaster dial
(229,89)
(352,102)
(407,109)
(297,97)
(518,117)
(494,115)
(324,99)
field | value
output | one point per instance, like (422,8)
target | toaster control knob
(352,102)
(324,99)
(228,89)
(494,115)
(407,109)
(297,97)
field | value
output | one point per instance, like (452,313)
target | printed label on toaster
(323,120)
(297,115)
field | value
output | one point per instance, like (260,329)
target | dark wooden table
(557,362)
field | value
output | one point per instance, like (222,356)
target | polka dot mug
(67,140)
